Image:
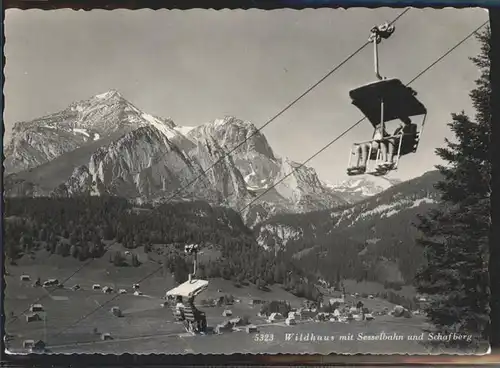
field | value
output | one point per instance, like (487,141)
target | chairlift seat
(410,144)
(178,315)
(399,101)
(191,319)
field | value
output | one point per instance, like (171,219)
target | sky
(198,65)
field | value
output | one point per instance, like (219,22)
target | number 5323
(263,337)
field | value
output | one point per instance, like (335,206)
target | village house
(106,336)
(236,321)
(38,347)
(116,311)
(107,290)
(33,317)
(251,329)
(275,317)
(28,344)
(36,308)
(51,282)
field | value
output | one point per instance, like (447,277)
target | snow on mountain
(145,165)
(376,234)
(106,145)
(249,148)
(411,196)
(361,187)
(288,187)
(41,140)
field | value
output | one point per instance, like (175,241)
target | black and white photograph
(204,181)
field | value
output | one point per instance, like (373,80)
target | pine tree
(494,238)
(455,236)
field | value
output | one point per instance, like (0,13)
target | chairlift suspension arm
(192,249)
(382,121)
(378,33)
(195,262)
(375,60)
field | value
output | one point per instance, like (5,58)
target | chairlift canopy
(399,101)
(189,288)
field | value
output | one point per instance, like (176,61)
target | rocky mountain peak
(105,144)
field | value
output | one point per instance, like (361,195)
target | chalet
(96,287)
(7,338)
(28,344)
(320,317)
(227,313)
(106,336)
(275,317)
(251,329)
(116,312)
(36,308)
(33,317)
(38,347)
(256,302)
(75,287)
(25,278)
(107,290)
(290,321)
(135,286)
(236,321)
(218,302)
(122,291)
(397,311)
(137,292)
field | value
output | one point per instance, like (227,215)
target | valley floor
(72,317)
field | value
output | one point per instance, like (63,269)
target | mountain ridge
(82,140)
(369,233)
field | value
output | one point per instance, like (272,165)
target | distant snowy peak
(360,188)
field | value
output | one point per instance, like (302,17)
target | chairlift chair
(189,289)
(383,101)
